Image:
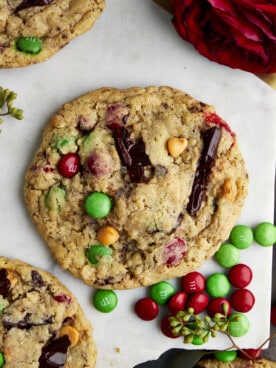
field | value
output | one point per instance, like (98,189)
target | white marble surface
(134,44)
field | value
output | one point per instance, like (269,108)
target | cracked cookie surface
(31,31)
(41,322)
(168,166)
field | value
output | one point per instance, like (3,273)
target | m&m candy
(146,309)
(29,45)
(240,275)
(218,285)
(219,305)
(162,292)
(265,234)
(166,327)
(227,255)
(97,251)
(250,354)
(198,302)
(193,282)
(238,325)
(241,236)
(177,302)
(69,165)
(105,300)
(97,204)
(226,356)
(242,300)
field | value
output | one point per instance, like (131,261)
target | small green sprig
(7,98)
(190,325)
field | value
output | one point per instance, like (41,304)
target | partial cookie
(42,324)
(237,363)
(32,31)
(131,187)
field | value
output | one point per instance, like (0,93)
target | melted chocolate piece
(29,3)
(132,155)
(37,279)
(25,323)
(211,138)
(54,354)
(5,283)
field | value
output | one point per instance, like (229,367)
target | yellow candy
(108,235)
(176,146)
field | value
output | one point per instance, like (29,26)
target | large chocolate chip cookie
(41,322)
(130,187)
(32,31)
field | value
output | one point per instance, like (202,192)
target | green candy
(2,360)
(105,300)
(218,285)
(97,205)
(227,255)
(162,292)
(29,45)
(226,356)
(241,236)
(97,251)
(197,340)
(238,325)
(265,234)
(55,199)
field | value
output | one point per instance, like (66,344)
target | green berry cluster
(7,98)
(194,327)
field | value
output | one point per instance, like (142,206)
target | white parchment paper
(134,44)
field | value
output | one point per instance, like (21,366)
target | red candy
(69,165)
(240,275)
(193,282)
(177,302)
(166,328)
(99,163)
(174,252)
(242,300)
(198,302)
(146,309)
(216,306)
(249,354)
(62,298)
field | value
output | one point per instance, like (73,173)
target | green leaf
(187,358)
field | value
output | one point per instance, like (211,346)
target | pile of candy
(216,296)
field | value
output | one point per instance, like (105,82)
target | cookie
(131,187)
(237,363)
(42,324)
(31,31)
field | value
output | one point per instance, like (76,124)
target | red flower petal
(237,33)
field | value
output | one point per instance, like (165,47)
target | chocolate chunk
(37,279)
(5,283)
(123,145)
(211,138)
(132,155)
(29,3)
(25,323)
(54,354)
